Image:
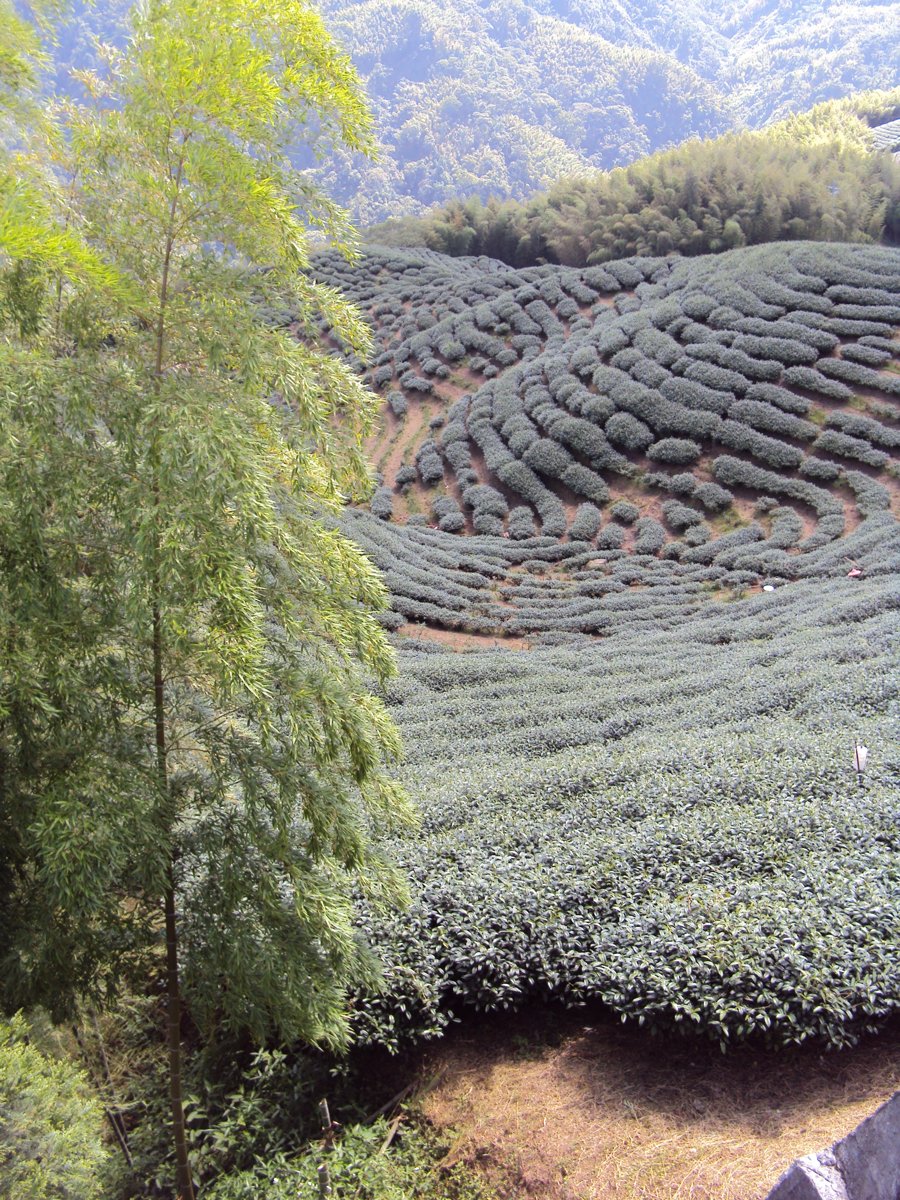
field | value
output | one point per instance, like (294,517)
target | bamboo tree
(188,741)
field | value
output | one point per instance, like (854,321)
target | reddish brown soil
(462,641)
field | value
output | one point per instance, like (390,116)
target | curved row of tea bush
(587,385)
(538,587)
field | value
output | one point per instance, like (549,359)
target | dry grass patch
(604,1113)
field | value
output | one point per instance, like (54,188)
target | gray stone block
(810,1178)
(865,1165)
(869,1157)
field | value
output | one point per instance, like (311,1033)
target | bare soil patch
(600,1112)
(409,435)
(462,641)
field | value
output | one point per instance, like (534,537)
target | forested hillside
(505,97)
(813,176)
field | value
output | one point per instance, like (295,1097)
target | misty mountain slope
(504,98)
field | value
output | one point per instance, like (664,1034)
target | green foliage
(666,821)
(51,1124)
(810,177)
(199,501)
(360,1168)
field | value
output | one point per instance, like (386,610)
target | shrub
(411,382)
(51,1137)
(649,373)
(585,438)
(626,430)
(789,352)
(692,394)
(486,523)
(452,350)
(830,441)
(442,505)
(879,343)
(680,516)
(585,482)
(521,522)
(484,498)
(869,356)
(610,537)
(683,484)
(769,393)
(865,428)
(650,538)
(713,496)
(719,378)
(871,496)
(625,512)
(769,419)
(658,346)
(769,450)
(583,361)
(764,505)
(814,381)
(381,376)
(735,472)
(626,358)
(585,523)
(398,404)
(406,475)
(382,503)
(547,457)
(858,375)
(819,468)
(429,464)
(697,535)
(674,450)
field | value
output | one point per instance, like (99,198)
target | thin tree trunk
(184,1184)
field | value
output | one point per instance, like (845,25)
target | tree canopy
(485,97)
(814,176)
(192,762)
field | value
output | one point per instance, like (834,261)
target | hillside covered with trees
(813,176)
(504,98)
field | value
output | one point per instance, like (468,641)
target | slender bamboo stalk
(184,1183)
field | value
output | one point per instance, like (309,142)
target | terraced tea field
(675,482)
(560,445)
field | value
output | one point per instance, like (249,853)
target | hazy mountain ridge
(503,99)
(506,98)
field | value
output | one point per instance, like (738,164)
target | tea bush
(751,358)
(674,450)
(585,523)
(666,821)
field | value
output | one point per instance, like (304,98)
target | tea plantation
(667,822)
(703,422)
(658,475)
